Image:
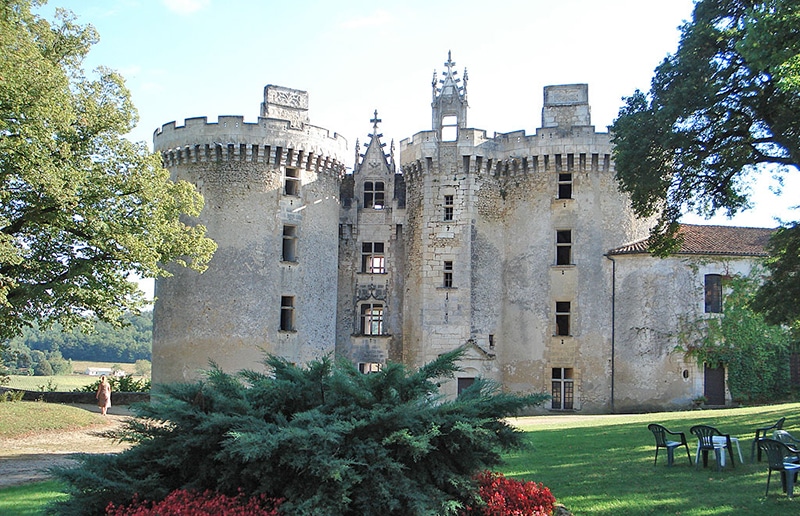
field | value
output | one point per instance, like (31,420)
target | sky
(189,58)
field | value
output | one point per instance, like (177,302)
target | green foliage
(715,113)
(120,384)
(104,343)
(143,367)
(11,396)
(81,207)
(326,438)
(755,353)
(778,298)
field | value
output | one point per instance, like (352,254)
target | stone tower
(271,192)
(505,244)
(371,258)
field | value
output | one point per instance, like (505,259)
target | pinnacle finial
(375,121)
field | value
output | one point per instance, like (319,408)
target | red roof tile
(716,240)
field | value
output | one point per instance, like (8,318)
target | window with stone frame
(448,208)
(372,319)
(463,383)
(447,277)
(291,185)
(562,389)
(713,293)
(562,318)
(373,259)
(287,313)
(369,367)
(374,194)
(289,252)
(565,185)
(564,247)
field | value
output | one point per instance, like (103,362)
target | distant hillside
(132,342)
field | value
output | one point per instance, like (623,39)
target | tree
(326,438)
(81,207)
(721,110)
(142,367)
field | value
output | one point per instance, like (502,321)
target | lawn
(67,383)
(603,465)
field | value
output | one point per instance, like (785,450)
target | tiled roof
(716,240)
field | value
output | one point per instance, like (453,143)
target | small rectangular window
(289,244)
(565,185)
(464,383)
(562,317)
(373,194)
(291,184)
(563,389)
(449,128)
(369,367)
(372,319)
(287,313)
(373,260)
(564,247)
(448,275)
(448,208)
(713,293)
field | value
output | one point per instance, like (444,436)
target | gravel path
(28,459)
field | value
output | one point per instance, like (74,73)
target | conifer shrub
(324,438)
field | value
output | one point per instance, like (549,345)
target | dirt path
(27,459)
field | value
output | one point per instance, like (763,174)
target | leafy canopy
(81,207)
(720,111)
(326,438)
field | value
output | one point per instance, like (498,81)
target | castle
(519,247)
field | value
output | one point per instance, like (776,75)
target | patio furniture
(669,440)
(777,457)
(790,441)
(711,439)
(762,433)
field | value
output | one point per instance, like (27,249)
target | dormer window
(374,194)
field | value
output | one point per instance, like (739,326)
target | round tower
(271,191)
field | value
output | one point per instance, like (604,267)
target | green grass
(31,417)
(65,383)
(603,465)
(29,499)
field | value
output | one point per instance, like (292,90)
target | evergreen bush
(324,438)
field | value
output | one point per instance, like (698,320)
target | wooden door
(714,385)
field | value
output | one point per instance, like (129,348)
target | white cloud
(376,19)
(186,6)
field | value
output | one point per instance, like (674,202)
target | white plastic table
(720,442)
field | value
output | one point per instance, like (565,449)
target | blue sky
(187,58)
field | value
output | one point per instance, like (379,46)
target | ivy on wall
(755,354)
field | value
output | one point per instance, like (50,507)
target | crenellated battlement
(268,141)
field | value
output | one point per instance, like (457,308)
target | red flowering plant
(209,503)
(510,497)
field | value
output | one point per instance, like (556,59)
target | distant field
(64,383)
